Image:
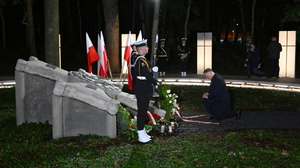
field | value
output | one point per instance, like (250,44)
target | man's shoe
(211,117)
(238,114)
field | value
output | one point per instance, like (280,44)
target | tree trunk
(143,22)
(3,28)
(244,32)
(252,20)
(111,16)
(154,31)
(187,17)
(162,21)
(30,24)
(263,22)
(206,13)
(147,19)
(52,31)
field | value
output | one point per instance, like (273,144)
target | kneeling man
(217,100)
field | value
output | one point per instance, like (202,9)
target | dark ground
(249,120)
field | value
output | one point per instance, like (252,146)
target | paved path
(249,120)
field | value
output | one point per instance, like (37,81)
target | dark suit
(253,60)
(274,48)
(218,101)
(143,86)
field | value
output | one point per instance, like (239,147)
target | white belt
(141,77)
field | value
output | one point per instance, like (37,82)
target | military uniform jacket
(183,49)
(132,58)
(162,52)
(142,75)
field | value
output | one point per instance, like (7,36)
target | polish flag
(139,38)
(92,55)
(102,63)
(127,58)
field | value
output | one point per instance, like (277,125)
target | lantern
(170,129)
(162,127)
(172,123)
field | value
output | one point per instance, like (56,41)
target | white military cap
(139,43)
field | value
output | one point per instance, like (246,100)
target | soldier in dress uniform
(132,59)
(163,56)
(143,87)
(183,53)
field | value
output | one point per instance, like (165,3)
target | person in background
(183,53)
(163,56)
(253,60)
(217,100)
(274,48)
(132,59)
(143,87)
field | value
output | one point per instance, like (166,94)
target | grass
(31,144)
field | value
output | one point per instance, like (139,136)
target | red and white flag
(127,55)
(92,55)
(102,63)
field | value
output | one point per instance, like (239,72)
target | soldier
(132,59)
(143,86)
(183,53)
(162,57)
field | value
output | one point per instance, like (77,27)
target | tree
(292,13)
(244,31)
(3,28)
(30,27)
(207,14)
(52,31)
(2,3)
(111,17)
(154,29)
(252,20)
(187,17)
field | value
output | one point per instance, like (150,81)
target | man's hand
(205,95)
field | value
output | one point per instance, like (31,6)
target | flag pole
(121,74)
(109,70)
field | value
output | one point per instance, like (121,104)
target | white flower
(170,101)
(169,91)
